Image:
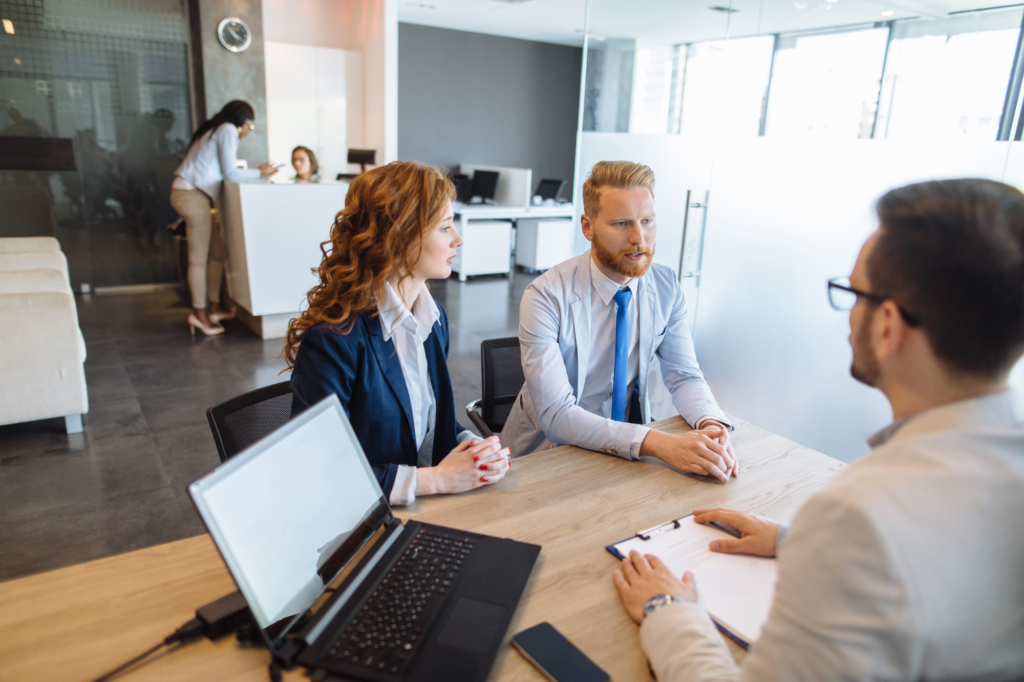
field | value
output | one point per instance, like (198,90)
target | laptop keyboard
(384,634)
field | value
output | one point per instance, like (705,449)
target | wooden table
(78,622)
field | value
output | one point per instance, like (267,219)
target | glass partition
(772,127)
(111,78)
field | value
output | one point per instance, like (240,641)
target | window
(826,83)
(726,83)
(948,78)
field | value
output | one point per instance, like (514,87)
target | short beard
(619,264)
(865,367)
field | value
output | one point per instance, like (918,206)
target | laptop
(301,508)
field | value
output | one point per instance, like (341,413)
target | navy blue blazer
(364,372)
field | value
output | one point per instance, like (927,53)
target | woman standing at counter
(374,336)
(196,188)
(307,169)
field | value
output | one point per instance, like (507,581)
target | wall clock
(234,34)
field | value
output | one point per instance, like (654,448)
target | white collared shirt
(597,388)
(409,330)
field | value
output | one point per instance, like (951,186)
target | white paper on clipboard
(736,589)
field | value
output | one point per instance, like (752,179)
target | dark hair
(314,165)
(951,253)
(235,112)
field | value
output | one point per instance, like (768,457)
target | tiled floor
(121,484)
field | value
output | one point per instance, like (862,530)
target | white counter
(273,234)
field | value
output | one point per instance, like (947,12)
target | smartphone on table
(555,656)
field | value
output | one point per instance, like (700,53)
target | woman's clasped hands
(472,464)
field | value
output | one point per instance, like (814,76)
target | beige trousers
(206,248)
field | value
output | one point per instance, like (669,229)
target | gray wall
(475,98)
(227,75)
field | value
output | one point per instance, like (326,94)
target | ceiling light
(8,26)
(831,1)
(888,13)
(800,5)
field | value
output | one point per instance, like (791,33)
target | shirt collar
(883,436)
(605,286)
(393,312)
(999,409)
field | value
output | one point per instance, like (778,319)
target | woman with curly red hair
(374,336)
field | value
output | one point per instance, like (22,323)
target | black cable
(186,633)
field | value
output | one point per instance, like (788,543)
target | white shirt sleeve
(227,152)
(404,491)
(638,438)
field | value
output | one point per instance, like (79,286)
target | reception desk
(273,234)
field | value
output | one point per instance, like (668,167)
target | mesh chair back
(502,378)
(243,420)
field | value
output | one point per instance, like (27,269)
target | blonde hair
(617,174)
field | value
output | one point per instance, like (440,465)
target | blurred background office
(772,126)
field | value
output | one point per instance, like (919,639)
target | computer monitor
(549,189)
(364,157)
(485,184)
(463,188)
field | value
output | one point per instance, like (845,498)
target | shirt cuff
(720,420)
(465,435)
(639,433)
(404,490)
(780,536)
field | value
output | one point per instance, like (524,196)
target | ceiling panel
(664,21)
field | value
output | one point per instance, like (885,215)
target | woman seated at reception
(374,336)
(307,169)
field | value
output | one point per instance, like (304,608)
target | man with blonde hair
(589,329)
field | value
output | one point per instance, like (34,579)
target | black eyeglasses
(843,297)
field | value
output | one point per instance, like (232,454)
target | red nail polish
(476,458)
(484,479)
(483,467)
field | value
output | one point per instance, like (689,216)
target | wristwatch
(660,600)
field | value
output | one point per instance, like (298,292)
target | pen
(726,528)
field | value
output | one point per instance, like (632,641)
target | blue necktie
(621,355)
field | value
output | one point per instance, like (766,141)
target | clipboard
(736,589)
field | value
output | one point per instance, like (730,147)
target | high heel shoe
(210,330)
(229,315)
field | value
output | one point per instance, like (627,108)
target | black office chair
(243,420)
(502,370)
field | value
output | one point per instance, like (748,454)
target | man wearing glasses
(910,565)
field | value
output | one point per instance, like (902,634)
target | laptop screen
(288,513)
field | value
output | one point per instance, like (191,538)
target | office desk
(487,236)
(76,623)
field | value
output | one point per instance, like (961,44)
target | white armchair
(41,367)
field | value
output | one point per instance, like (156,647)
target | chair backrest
(502,370)
(245,419)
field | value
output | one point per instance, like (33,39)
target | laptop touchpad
(472,625)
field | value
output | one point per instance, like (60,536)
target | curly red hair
(376,238)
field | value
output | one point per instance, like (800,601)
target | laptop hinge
(316,627)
